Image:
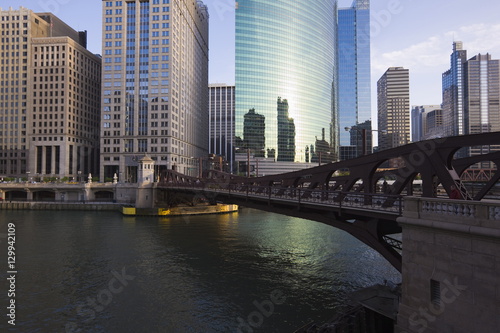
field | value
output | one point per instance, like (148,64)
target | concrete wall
(58,206)
(456,244)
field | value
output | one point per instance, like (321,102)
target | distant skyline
(417,35)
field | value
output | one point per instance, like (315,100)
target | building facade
(419,125)
(434,124)
(49,99)
(155,86)
(471,90)
(481,101)
(285,63)
(453,92)
(221,124)
(393,103)
(354,81)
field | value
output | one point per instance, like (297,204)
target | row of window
(14,25)
(14,32)
(120,3)
(13,68)
(14,18)
(6,47)
(14,40)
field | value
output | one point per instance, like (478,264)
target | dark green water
(242,272)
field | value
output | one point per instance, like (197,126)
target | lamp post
(200,165)
(363,138)
(248,162)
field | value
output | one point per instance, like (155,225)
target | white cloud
(434,53)
(429,58)
(429,53)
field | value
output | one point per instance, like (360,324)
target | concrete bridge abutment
(451,266)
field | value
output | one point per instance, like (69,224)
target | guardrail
(360,200)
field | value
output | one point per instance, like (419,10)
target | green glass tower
(285,65)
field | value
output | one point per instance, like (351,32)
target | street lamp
(363,138)
(79,175)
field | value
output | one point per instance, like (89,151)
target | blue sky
(417,35)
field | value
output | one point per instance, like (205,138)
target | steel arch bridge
(349,194)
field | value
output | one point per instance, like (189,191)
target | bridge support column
(88,194)
(29,195)
(451,264)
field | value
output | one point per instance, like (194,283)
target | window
(435,292)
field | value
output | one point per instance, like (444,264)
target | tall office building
(482,94)
(419,116)
(354,83)
(285,63)
(286,133)
(393,101)
(433,124)
(481,101)
(471,94)
(155,86)
(49,98)
(221,125)
(453,92)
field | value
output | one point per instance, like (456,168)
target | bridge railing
(358,200)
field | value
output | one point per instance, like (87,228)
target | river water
(250,271)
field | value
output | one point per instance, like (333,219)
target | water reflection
(198,273)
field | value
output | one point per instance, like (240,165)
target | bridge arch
(104,195)
(44,195)
(16,195)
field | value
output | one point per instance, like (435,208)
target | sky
(417,35)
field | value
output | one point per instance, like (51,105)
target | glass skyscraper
(354,70)
(453,92)
(285,63)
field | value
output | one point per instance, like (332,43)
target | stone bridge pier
(451,266)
